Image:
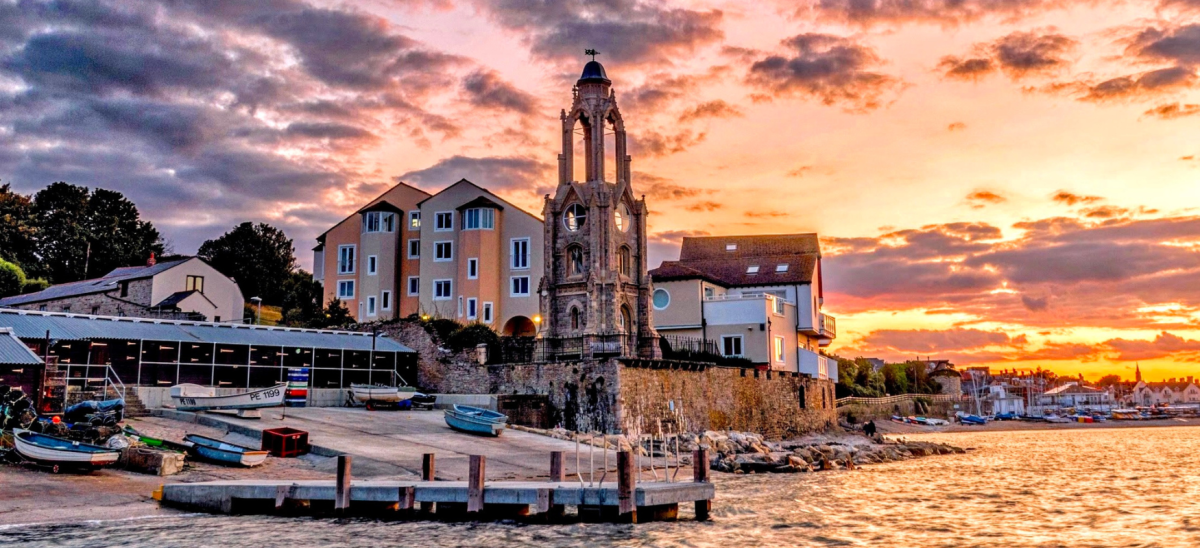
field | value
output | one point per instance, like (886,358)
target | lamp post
(257,301)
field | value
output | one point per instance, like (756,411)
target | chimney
(151,261)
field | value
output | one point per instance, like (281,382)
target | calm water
(1120,487)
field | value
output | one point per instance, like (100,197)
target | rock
(797,462)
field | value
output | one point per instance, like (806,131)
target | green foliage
(334,315)
(12,278)
(301,299)
(33,285)
(18,243)
(1109,380)
(442,328)
(858,377)
(260,258)
(470,336)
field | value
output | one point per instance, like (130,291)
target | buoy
(56,419)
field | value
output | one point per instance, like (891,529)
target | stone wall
(109,303)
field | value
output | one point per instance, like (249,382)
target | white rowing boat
(374,393)
(193,397)
(55,451)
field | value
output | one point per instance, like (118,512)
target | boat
(59,452)
(152,442)
(1127,415)
(223,452)
(371,394)
(971,419)
(193,397)
(475,420)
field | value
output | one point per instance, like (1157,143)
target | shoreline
(890,427)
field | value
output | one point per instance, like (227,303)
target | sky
(1009,183)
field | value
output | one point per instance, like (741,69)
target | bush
(34,285)
(12,279)
(443,328)
(471,336)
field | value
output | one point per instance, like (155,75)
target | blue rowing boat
(224,453)
(475,420)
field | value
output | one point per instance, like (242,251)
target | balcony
(827,329)
(817,366)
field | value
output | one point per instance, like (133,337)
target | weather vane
(591,52)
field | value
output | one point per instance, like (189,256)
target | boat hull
(258,399)
(381,394)
(225,453)
(56,451)
(476,421)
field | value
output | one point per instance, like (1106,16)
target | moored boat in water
(476,420)
(224,452)
(59,452)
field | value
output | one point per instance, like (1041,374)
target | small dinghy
(377,394)
(193,397)
(59,452)
(224,453)
(475,420)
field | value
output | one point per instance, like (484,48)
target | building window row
(479,218)
(379,221)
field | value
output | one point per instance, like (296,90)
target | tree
(12,278)
(1108,381)
(895,378)
(334,315)
(82,234)
(18,243)
(302,297)
(259,257)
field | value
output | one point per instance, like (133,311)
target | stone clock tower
(595,286)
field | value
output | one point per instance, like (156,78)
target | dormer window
(752,269)
(730,247)
(479,218)
(781,267)
(379,221)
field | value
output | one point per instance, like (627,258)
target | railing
(899,398)
(533,350)
(110,381)
(828,326)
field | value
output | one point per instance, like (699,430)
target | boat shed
(151,352)
(19,366)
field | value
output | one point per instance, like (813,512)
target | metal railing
(898,398)
(110,380)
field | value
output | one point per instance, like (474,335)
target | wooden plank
(408,494)
(342,488)
(475,483)
(556,466)
(427,473)
(626,485)
(700,467)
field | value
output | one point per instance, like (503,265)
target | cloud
(927,341)
(1070,198)
(799,171)
(1171,111)
(868,13)
(1178,44)
(956,126)
(1146,85)
(966,68)
(497,173)
(1035,304)
(832,69)
(662,189)
(1019,55)
(486,89)
(705,206)
(654,144)
(981,198)
(1163,345)
(711,109)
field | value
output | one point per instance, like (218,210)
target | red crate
(285,442)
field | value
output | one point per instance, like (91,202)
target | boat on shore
(59,452)
(375,394)
(223,452)
(475,420)
(193,397)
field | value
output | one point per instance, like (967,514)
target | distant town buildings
(1073,394)
(186,288)
(1173,391)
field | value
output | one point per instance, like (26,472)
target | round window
(622,217)
(661,298)
(575,217)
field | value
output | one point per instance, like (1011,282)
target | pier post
(475,483)
(427,472)
(342,494)
(556,466)
(558,475)
(700,475)
(626,486)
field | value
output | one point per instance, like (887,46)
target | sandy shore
(889,427)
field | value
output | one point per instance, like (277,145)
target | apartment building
(757,297)
(463,253)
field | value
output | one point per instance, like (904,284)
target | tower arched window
(626,319)
(576,322)
(575,261)
(625,261)
(575,217)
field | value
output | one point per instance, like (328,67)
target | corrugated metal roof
(33,325)
(108,282)
(14,352)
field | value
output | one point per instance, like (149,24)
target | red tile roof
(726,260)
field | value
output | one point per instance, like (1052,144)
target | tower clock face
(622,219)
(575,217)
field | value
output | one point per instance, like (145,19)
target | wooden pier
(624,500)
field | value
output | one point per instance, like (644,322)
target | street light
(257,301)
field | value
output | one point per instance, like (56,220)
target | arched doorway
(519,326)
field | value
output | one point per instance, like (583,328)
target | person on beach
(869,428)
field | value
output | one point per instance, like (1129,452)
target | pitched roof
(729,260)
(108,282)
(1072,388)
(13,351)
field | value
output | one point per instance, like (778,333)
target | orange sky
(1003,183)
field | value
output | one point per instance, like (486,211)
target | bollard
(342,496)
(427,472)
(475,483)
(700,475)
(626,487)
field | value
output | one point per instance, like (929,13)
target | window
(414,249)
(520,253)
(520,286)
(345,259)
(777,304)
(124,290)
(385,300)
(389,222)
(730,247)
(779,349)
(414,285)
(752,269)
(443,251)
(379,221)
(443,221)
(479,218)
(731,345)
(575,260)
(96,310)
(661,299)
(781,267)
(575,217)
(41,308)
(625,261)
(575,318)
(472,269)
(472,308)
(487,312)
(414,220)
(372,265)
(443,290)
(709,293)
(371,305)
(195,283)
(460,307)
(621,217)
(345,289)
(371,221)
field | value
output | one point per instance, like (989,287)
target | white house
(1076,395)
(1003,399)
(1166,393)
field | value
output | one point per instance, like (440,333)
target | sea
(1135,487)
